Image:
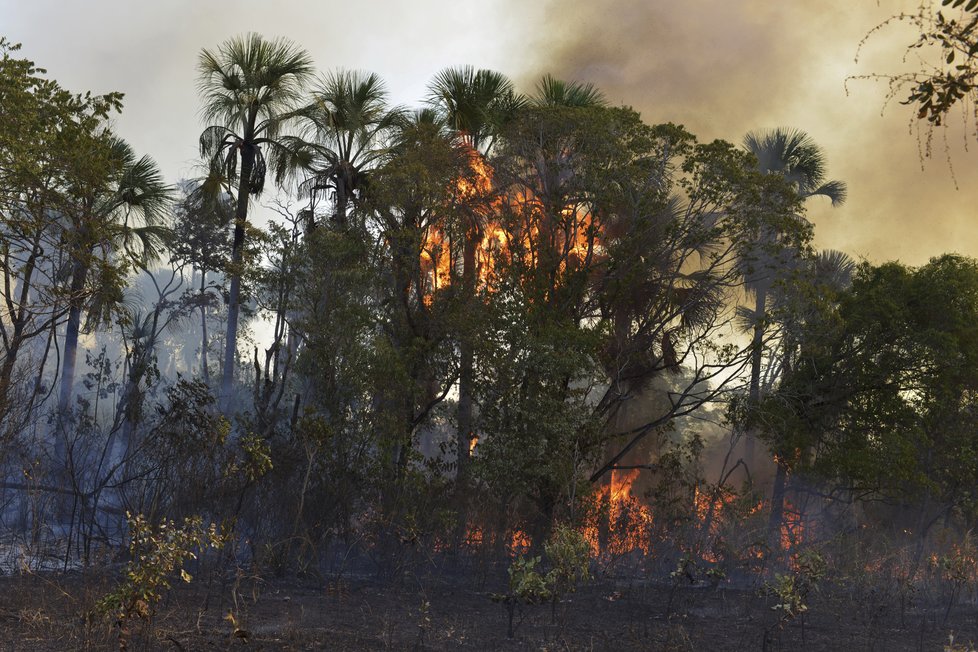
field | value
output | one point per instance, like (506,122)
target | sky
(719,67)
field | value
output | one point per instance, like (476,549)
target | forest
(563,378)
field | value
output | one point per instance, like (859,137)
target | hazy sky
(721,67)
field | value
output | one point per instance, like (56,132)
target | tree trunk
(757,350)
(237,256)
(79,274)
(777,509)
(339,216)
(205,372)
(466,369)
(19,318)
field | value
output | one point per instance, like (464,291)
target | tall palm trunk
(79,275)
(757,350)
(342,201)
(466,364)
(203,330)
(237,256)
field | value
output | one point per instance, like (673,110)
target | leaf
(185,576)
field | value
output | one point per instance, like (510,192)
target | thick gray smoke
(723,69)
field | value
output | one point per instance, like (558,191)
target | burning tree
(617,266)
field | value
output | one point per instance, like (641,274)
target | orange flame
(623,523)
(573,239)
(792,527)
(436,262)
(519,543)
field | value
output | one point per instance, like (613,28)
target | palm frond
(251,74)
(834,268)
(556,92)
(476,103)
(794,155)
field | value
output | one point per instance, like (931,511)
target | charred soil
(55,612)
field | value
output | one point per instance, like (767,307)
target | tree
(200,238)
(803,300)
(251,88)
(796,158)
(49,146)
(421,190)
(115,218)
(881,399)
(689,256)
(616,262)
(476,104)
(947,49)
(551,91)
(344,132)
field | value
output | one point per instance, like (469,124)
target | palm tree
(475,104)
(794,156)
(122,214)
(251,87)
(343,136)
(556,92)
(830,273)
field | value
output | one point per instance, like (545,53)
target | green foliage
(156,554)
(933,95)
(526,583)
(56,155)
(883,392)
(792,590)
(569,555)
(256,458)
(201,235)
(947,79)
(952,646)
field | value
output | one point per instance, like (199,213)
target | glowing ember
(519,543)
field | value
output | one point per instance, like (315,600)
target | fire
(710,508)
(709,504)
(621,486)
(519,543)
(792,527)
(623,523)
(481,182)
(436,262)
(473,537)
(571,237)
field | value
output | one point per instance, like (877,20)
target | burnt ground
(46,612)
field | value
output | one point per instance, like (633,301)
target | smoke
(720,68)
(723,69)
